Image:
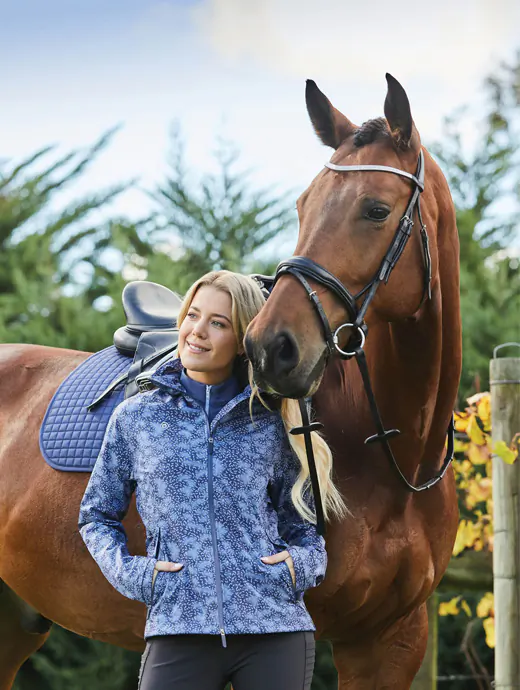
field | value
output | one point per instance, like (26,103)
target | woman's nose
(198,331)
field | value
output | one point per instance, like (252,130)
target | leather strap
(384,435)
(317,272)
(306,429)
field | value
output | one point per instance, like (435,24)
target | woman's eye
(378,213)
(191,315)
(218,323)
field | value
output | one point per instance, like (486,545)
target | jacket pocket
(165,579)
(158,587)
(281,567)
(156,552)
(289,580)
(277,576)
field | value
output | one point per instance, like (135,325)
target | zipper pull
(223,636)
(210,440)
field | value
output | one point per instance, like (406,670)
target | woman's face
(207,342)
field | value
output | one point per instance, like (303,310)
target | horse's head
(348,222)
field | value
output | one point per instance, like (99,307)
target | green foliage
(325,675)
(485,184)
(224,225)
(462,646)
(39,249)
(71,662)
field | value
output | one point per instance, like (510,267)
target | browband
(381,168)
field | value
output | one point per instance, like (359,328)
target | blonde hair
(246,301)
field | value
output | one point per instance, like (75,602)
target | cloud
(440,51)
(243,60)
(338,39)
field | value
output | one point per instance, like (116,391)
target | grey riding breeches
(278,661)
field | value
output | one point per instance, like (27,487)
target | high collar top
(212,397)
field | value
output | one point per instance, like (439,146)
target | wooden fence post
(505,423)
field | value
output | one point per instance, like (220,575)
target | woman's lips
(196,349)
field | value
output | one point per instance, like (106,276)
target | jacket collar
(170,374)
(221,393)
(168,377)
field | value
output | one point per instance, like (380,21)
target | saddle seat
(148,307)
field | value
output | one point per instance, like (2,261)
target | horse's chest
(378,571)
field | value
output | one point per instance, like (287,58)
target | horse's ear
(331,126)
(399,115)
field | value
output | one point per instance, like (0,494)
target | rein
(302,268)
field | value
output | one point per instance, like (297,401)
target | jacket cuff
(308,567)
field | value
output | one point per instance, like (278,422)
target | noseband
(301,268)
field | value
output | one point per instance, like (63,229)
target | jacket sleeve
(103,507)
(305,545)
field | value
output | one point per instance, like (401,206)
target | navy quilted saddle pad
(71,436)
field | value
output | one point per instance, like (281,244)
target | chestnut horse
(390,554)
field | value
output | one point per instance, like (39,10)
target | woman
(231,542)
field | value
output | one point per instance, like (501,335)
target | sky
(72,69)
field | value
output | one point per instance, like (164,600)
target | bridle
(301,268)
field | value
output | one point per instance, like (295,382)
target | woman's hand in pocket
(277,558)
(166,566)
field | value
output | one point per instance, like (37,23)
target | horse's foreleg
(390,662)
(22,632)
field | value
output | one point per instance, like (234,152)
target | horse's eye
(378,213)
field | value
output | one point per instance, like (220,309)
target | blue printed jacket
(214,497)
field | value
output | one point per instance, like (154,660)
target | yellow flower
(475,432)
(461,421)
(508,455)
(464,606)
(484,411)
(489,627)
(467,536)
(478,455)
(449,608)
(485,607)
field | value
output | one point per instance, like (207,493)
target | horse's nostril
(284,353)
(278,354)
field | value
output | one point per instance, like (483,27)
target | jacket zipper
(212,522)
(223,411)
